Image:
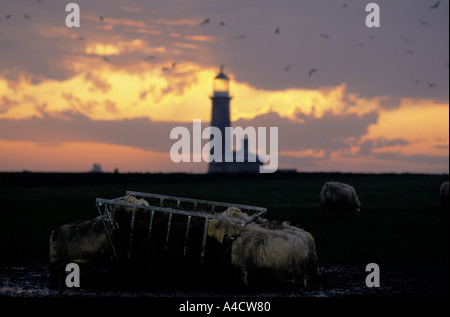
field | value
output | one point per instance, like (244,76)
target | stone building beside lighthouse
(220,118)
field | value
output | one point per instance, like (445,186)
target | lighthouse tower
(220,116)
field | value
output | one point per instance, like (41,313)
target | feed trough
(187,209)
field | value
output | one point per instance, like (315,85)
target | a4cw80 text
(247,306)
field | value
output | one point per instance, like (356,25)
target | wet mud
(335,281)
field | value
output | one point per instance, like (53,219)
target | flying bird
(432,85)
(325,36)
(287,68)
(26,16)
(424,23)
(436,5)
(8,16)
(277,30)
(410,52)
(106,59)
(222,23)
(312,71)
(173,65)
(101,18)
(206,21)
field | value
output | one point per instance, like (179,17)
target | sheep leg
(245,276)
(301,280)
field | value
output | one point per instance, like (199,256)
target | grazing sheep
(443,193)
(83,242)
(280,251)
(339,198)
(131,200)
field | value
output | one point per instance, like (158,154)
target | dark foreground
(336,281)
(402,227)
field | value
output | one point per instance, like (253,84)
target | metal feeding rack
(170,205)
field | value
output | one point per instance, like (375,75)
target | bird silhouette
(432,85)
(436,5)
(277,30)
(101,18)
(222,23)
(106,59)
(410,52)
(26,16)
(173,65)
(8,16)
(424,23)
(206,21)
(325,36)
(287,68)
(312,71)
(147,58)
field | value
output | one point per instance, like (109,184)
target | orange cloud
(200,38)
(413,129)
(79,157)
(422,122)
(102,49)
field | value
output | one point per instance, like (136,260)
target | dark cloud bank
(329,133)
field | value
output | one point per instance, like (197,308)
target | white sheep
(339,198)
(281,252)
(443,193)
(131,200)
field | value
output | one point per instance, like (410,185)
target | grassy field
(402,223)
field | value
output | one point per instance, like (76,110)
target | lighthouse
(220,118)
(220,115)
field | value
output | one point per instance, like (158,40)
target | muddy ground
(335,281)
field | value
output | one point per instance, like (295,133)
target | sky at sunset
(110,91)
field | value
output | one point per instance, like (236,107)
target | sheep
(281,252)
(131,200)
(83,242)
(443,193)
(313,266)
(339,198)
